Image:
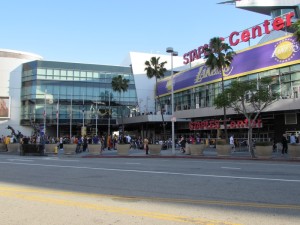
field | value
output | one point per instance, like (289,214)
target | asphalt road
(66,190)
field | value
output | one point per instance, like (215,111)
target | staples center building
(63,97)
(276,56)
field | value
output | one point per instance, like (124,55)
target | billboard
(4,107)
(271,55)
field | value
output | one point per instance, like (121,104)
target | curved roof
(7,53)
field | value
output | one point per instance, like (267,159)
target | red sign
(215,124)
(237,37)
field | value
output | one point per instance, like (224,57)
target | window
(290,118)
(41,71)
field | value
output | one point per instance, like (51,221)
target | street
(74,190)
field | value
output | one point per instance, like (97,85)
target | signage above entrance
(237,37)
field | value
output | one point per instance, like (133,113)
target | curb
(194,157)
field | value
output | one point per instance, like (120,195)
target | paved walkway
(209,153)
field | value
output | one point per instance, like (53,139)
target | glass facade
(285,81)
(77,94)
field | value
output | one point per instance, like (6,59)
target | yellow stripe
(29,194)
(202,202)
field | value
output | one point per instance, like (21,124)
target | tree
(248,98)
(296,27)
(120,84)
(156,69)
(219,55)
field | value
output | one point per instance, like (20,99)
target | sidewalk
(209,153)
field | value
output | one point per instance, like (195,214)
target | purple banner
(282,52)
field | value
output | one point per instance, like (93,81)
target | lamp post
(45,107)
(173,53)
(108,128)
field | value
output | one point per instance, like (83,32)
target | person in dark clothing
(182,143)
(85,144)
(284,143)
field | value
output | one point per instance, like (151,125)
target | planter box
(154,149)
(94,149)
(69,149)
(123,149)
(50,148)
(294,151)
(263,152)
(197,149)
(223,150)
(2,147)
(32,149)
(187,149)
(13,147)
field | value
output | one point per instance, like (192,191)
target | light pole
(173,53)
(108,128)
(96,118)
(45,107)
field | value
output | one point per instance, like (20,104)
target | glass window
(39,71)
(49,71)
(96,75)
(89,74)
(284,70)
(70,73)
(41,76)
(253,77)
(76,73)
(295,67)
(63,73)
(62,78)
(56,72)
(295,76)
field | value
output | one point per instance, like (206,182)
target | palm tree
(219,55)
(296,28)
(120,85)
(156,69)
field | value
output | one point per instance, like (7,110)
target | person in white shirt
(231,142)
(292,139)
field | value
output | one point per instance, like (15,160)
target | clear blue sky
(105,31)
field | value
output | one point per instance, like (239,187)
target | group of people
(284,142)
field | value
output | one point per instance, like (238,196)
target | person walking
(231,142)
(146,146)
(182,143)
(284,143)
(293,139)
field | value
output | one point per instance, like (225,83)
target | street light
(45,111)
(173,53)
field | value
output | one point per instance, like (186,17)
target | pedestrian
(109,142)
(61,144)
(182,143)
(293,139)
(231,142)
(85,144)
(146,146)
(284,143)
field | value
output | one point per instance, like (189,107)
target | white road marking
(133,163)
(21,160)
(155,172)
(231,168)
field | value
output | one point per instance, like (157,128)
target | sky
(105,31)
